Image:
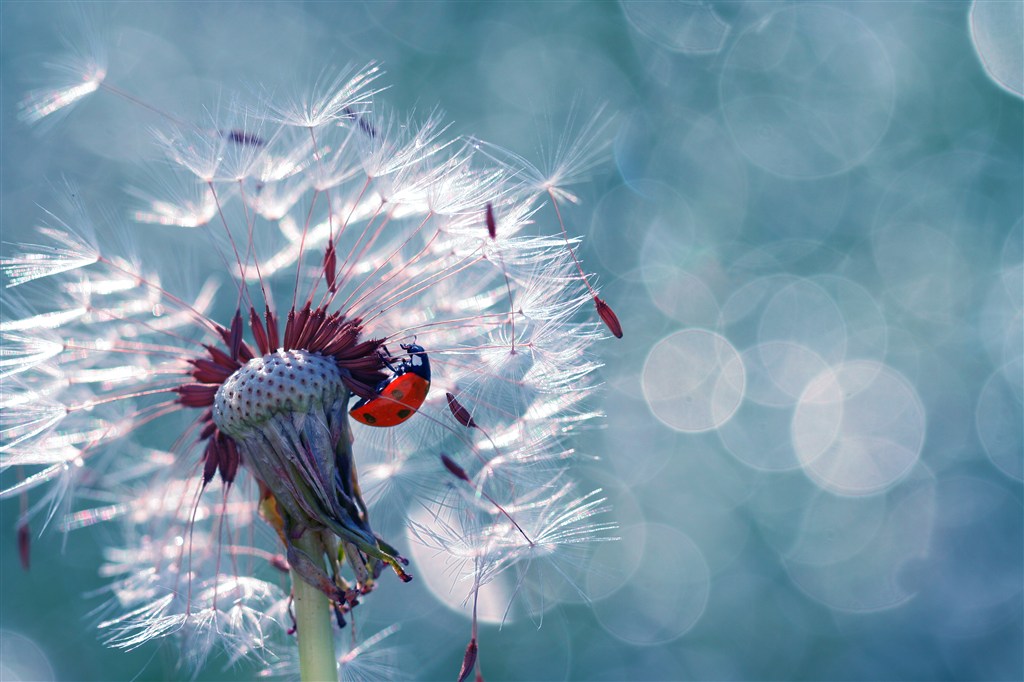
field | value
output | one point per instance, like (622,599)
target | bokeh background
(810,223)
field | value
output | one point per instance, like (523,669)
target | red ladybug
(397,398)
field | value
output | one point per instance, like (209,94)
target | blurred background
(809,221)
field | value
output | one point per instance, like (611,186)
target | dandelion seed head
(353,244)
(284,381)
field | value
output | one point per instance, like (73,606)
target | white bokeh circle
(997,31)
(808,92)
(674,569)
(693,380)
(859,428)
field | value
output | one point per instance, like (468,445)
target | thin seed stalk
(313,621)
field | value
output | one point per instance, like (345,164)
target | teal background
(843,177)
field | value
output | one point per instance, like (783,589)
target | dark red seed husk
(468,661)
(210,427)
(239,350)
(211,458)
(314,322)
(609,317)
(258,332)
(24,545)
(364,125)
(299,328)
(289,330)
(460,413)
(272,336)
(234,339)
(209,372)
(330,264)
(222,358)
(196,395)
(245,139)
(454,468)
(229,460)
(492,224)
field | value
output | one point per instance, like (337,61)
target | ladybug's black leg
(384,354)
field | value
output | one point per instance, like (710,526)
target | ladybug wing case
(396,402)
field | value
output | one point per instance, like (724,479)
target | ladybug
(398,397)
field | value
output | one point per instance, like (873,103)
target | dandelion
(389,350)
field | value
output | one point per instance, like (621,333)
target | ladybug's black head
(418,363)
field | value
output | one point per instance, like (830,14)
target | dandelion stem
(313,620)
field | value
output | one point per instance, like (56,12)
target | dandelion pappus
(398,397)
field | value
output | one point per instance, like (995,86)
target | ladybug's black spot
(397,394)
(369,418)
(402,414)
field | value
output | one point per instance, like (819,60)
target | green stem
(313,620)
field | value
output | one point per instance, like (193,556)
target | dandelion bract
(343,255)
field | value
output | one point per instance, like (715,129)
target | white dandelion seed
(387,303)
